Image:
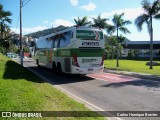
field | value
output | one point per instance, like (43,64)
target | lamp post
(21,47)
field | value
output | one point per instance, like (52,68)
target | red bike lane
(115,78)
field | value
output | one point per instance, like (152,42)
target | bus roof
(69,29)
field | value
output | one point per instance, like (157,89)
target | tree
(119,24)
(121,40)
(4,20)
(130,53)
(111,43)
(158,53)
(4,28)
(5,42)
(151,12)
(82,22)
(13,48)
(2,50)
(100,22)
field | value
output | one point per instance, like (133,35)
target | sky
(42,14)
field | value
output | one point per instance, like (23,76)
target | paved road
(109,92)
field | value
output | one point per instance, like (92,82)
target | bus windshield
(89,35)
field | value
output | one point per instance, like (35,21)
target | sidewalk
(134,74)
(28,59)
(24,59)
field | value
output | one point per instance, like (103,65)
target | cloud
(88,7)
(63,22)
(74,2)
(29,30)
(45,21)
(129,13)
(56,23)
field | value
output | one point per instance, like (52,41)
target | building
(141,44)
(143,47)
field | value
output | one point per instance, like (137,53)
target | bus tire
(59,70)
(54,67)
(37,62)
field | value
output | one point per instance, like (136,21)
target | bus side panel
(41,57)
(49,54)
(67,64)
(62,56)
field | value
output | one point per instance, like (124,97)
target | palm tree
(82,22)
(151,12)
(4,19)
(100,22)
(121,42)
(119,24)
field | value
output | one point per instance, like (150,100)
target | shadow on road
(145,83)
(14,71)
(60,78)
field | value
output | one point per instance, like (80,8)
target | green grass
(132,66)
(21,90)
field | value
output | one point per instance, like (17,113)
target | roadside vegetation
(21,90)
(132,66)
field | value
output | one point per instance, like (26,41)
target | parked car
(11,55)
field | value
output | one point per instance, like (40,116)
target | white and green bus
(74,50)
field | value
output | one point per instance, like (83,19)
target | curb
(134,74)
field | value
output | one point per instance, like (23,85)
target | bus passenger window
(41,44)
(56,43)
(53,43)
(65,39)
(49,43)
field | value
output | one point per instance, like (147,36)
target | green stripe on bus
(89,34)
(85,52)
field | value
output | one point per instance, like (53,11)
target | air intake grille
(89,49)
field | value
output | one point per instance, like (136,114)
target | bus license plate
(90,69)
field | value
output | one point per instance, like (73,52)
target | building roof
(141,44)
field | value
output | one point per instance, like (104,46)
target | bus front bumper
(88,70)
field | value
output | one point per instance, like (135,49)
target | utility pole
(21,47)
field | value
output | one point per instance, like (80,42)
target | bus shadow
(14,71)
(73,78)
(61,78)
